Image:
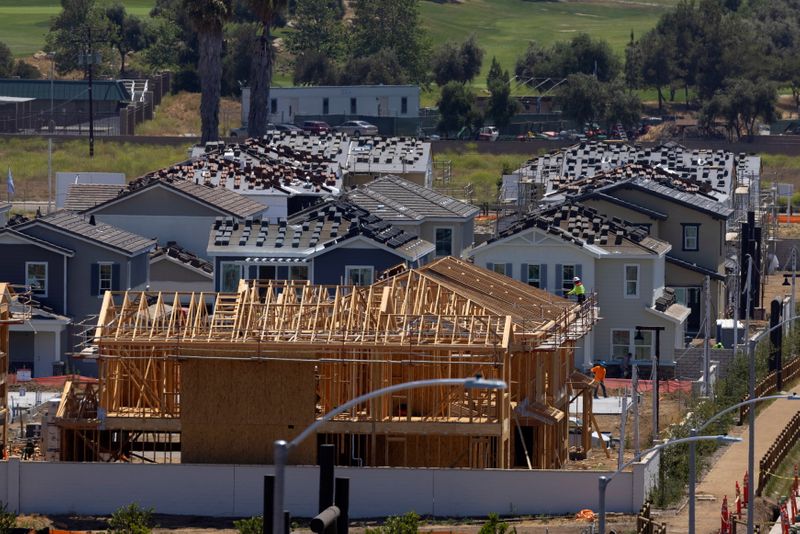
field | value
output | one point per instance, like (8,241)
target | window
(359,275)
(631,281)
(444,241)
(230,275)
(624,341)
(691,237)
(266,272)
(620,344)
(325,106)
(500,268)
(105,277)
(567,274)
(273,105)
(535,275)
(353,106)
(643,349)
(404,105)
(36,277)
(298,272)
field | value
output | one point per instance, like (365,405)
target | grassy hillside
(24,23)
(504,27)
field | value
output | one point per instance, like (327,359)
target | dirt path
(729,468)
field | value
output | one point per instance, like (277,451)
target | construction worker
(599,371)
(718,345)
(626,365)
(578,290)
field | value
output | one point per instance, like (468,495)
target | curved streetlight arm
(788,396)
(470,383)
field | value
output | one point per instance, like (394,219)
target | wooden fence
(777,452)
(769,385)
(646,525)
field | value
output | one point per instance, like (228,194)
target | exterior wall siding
(330,268)
(12,270)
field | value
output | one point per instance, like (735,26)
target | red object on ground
(738,501)
(53,381)
(745,486)
(794,505)
(784,519)
(665,386)
(725,526)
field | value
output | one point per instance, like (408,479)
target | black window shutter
(94,283)
(559,289)
(115,277)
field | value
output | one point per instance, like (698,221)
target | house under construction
(222,382)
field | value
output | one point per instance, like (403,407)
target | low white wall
(236,490)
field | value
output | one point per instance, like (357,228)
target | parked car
(317,127)
(488,133)
(287,127)
(357,128)
(242,132)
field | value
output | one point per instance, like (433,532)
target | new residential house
(615,259)
(166,209)
(332,243)
(432,216)
(69,260)
(684,213)
(173,268)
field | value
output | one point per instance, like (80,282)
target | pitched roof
(15,235)
(179,255)
(694,267)
(81,197)
(309,232)
(661,182)
(101,233)
(585,227)
(394,199)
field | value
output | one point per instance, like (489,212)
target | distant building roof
(394,199)
(387,155)
(311,231)
(222,199)
(585,227)
(82,227)
(64,89)
(81,197)
(181,256)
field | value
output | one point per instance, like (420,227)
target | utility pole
(655,398)
(751,451)
(707,340)
(90,59)
(624,417)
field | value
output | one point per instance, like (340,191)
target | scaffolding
(171,363)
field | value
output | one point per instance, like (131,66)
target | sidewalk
(721,478)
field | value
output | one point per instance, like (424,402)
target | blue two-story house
(334,242)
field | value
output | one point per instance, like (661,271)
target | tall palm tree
(261,66)
(208,17)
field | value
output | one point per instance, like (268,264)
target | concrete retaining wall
(236,490)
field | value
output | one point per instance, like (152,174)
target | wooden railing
(647,525)
(769,385)
(777,452)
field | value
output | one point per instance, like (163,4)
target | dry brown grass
(179,115)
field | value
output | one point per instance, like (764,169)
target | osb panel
(232,411)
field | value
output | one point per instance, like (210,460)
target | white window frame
(696,237)
(630,334)
(100,265)
(538,279)
(649,336)
(500,268)
(626,280)
(349,268)
(222,266)
(567,279)
(435,239)
(43,292)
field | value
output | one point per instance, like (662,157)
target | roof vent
(92,221)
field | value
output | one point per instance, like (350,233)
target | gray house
(615,259)
(165,209)
(440,219)
(173,268)
(86,259)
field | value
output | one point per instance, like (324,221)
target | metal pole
(692,480)
(737,300)
(707,340)
(90,60)
(794,279)
(635,388)
(751,450)
(281,452)
(657,385)
(601,505)
(621,447)
(49,174)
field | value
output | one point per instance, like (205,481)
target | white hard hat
(576,279)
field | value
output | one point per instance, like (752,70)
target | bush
(8,520)
(494,526)
(405,524)
(251,525)
(131,519)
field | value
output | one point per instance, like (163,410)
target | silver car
(357,128)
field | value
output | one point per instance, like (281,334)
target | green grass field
(24,23)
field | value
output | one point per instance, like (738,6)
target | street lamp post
(604,481)
(281,448)
(695,431)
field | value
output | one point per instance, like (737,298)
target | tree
(393,26)
(633,64)
(317,27)
(6,61)
(208,17)
(456,108)
(657,63)
(127,33)
(26,71)
(451,62)
(81,26)
(315,68)
(501,106)
(261,68)
(581,54)
(166,49)
(241,38)
(534,63)
(381,68)
(622,107)
(583,98)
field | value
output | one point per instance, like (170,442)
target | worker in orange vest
(599,371)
